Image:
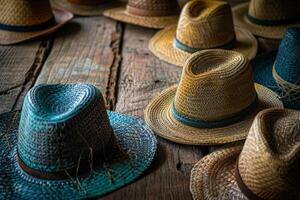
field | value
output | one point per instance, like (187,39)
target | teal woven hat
(280,71)
(65,145)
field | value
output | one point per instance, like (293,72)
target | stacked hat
(267,167)
(147,13)
(280,71)
(85,7)
(267,18)
(65,145)
(214,103)
(203,24)
(21,20)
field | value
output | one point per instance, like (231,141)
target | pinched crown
(62,125)
(270,160)
(205,24)
(215,85)
(25,12)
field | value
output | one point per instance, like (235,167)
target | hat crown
(274,10)
(215,85)
(25,12)
(153,7)
(270,160)
(205,24)
(287,64)
(87,2)
(62,125)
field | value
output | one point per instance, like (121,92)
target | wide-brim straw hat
(130,152)
(240,13)
(161,45)
(280,70)
(12,37)
(142,15)
(218,175)
(202,25)
(160,117)
(85,10)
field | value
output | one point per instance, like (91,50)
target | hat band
(84,166)
(213,124)
(189,49)
(152,13)
(243,187)
(37,27)
(289,92)
(266,22)
(88,3)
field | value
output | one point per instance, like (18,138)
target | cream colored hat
(147,13)
(214,103)
(22,20)
(203,24)
(86,7)
(267,18)
(266,168)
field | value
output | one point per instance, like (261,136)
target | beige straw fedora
(85,7)
(267,18)
(203,24)
(147,13)
(22,20)
(214,103)
(267,167)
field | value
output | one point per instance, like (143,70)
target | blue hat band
(197,123)
(265,22)
(189,49)
(31,28)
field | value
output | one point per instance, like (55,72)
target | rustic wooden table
(114,57)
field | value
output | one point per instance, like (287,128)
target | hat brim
(262,69)
(84,10)
(273,32)
(134,150)
(158,115)
(213,177)
(11,37)
(121,14)
(161,45)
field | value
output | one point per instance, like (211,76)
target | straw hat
(22,20)
(147,13)
(267,18)
(203,24)
(65,145)
(280,71)
(214,103)
(267,167)
(85,7)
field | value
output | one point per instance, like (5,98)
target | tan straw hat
(267,18)
(267,167)
(203,24)
(148,13)
(21,20)
(85,7)
(214,103)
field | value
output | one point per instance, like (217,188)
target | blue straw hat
(65,145)
(280,71)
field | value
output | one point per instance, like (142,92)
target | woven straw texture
(215,85)
(147,13)
(203,24)
(85,8)
(61,124)
(268,164)
(267,10)
(11,37)
(280,71)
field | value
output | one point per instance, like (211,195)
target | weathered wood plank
(86,50)
(142,77)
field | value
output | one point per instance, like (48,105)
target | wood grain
(86,50)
